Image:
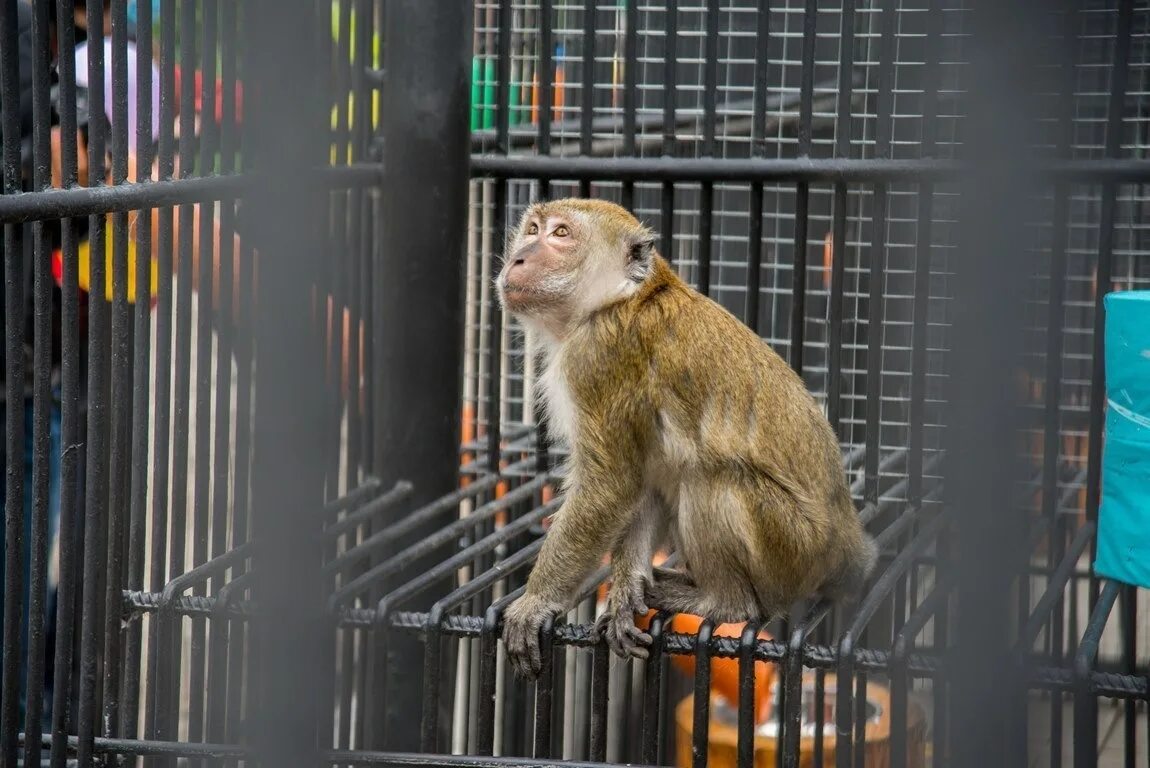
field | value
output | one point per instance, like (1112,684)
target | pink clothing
(133,86)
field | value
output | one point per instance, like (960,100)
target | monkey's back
(739,433)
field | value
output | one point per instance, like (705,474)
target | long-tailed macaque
(682,424)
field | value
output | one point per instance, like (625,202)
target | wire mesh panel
(278,471)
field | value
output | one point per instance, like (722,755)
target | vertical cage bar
(287,474)
(702,697)
(66,598)
(14,394)
(877,268)
(120,453)
(1118,81)
(670,95)
(96,484)
(586,90)
(424,211)
(710,117)
(156,722)
(839,224)
(630,91)
(141,370)
(759,150)
(982,466)
(42,397)
(922,265)
(802,189)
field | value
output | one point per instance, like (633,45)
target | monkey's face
(543,261)
(569,258)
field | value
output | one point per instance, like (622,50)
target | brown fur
(682,423)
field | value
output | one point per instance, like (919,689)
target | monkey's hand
(617,624)
(521,625)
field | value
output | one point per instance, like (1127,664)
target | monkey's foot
(675,592)
(521,625)
(617,624)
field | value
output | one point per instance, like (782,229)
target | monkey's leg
(630,573)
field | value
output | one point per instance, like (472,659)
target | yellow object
(85,260)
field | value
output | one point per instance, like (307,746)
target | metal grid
(172,642)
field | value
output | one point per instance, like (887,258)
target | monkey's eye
(532,228)
(562,231)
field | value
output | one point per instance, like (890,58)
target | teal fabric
(1123,552)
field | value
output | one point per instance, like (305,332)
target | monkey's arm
(600,506)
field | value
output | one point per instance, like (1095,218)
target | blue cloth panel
(1124,516)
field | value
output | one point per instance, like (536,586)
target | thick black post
(982,460)
(287,216)
(418,324)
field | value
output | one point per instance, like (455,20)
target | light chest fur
(554,392)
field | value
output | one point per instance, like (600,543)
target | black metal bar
(600,655)
(670,60)
(758,150)
(847,652)
(630,91)
(710,118)
(702,697)
(70,396)
(488,645)
(792,684)
(421,217)
(380,539)
(843,125)
(1055,586)
(96,460)
(651,689)
(42,393)
(1119,78)
(429,543)
(157,719)
(141,369)
(432,653)
(369,511)
(982,475)
(546,79)
(120,449)
(586,89)
(747,710)
(1052,386)
(84,201)
(922,265)
(820,717)
(877,267)
(287,457)
(208,145)
(860,703)
(720,169)
(545,690)
(1085,698)
(14,394)
(1129,617)
(899,677)
(802,189)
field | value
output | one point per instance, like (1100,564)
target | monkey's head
(569,258)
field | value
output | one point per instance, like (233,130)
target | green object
(476,93)
(489,93)
(513,104)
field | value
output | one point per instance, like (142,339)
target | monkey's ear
(641,249)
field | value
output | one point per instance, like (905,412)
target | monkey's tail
(857,565)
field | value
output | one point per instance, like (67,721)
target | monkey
(683,427)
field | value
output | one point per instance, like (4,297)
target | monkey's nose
(517,262)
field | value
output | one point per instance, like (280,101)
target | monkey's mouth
(517,297)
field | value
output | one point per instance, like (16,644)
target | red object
(198,99)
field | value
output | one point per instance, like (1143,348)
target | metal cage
(274,487)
